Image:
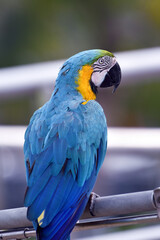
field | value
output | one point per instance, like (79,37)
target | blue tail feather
(65,224)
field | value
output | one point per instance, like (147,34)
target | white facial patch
(101,68)
(98,77)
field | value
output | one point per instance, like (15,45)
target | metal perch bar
(122,204)
(84,225)
(131,203)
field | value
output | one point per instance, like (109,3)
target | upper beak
(112,78)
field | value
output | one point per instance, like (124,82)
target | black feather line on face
(99,68)
(103,63)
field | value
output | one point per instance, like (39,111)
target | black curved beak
(112,78)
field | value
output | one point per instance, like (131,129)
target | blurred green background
(37,31)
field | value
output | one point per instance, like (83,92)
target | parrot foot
(93,196)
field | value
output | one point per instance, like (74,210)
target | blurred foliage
(35,31)
(143,105)
(16,111)
(32,31)
(140,105)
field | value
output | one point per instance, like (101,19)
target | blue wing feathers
(62,224)
(44,160)
(58,200)
(68,225)
(43,198)
(67,149)
(82,174)
(59,151)
(37,187)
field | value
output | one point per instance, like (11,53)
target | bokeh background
(39,31)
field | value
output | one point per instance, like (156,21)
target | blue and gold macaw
(65,144)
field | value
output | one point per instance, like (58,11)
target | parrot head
(89,70)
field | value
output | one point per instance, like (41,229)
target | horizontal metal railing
(100,212)
(137,66)
(139,138)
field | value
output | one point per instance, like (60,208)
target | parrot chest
(94,121)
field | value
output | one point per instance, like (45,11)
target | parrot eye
(101,60)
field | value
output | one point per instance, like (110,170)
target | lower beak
(112,78)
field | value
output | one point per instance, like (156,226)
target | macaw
(65,144)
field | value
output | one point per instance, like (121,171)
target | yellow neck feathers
(83,83)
